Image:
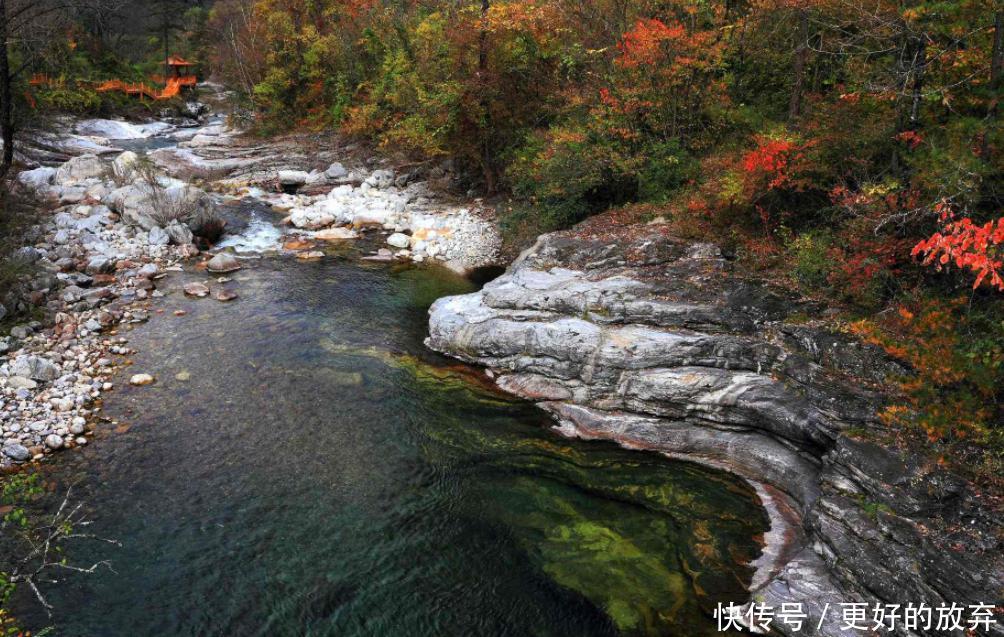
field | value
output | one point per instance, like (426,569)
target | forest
(848,148)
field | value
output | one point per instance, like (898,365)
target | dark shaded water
(320,473)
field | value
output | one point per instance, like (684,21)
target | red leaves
(772,160)
(642,45)
(968,245)
(911,138)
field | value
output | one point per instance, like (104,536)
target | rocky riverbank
(628,334)
(111,224)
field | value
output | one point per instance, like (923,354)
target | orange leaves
(969,246)
(643,44)
(949,390)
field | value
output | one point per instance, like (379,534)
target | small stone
(196,289)
(158,237)
(148,271)
(312,254)
(53,441)
(184,376)
(399,240)
(223,262)
(141,379)
(17,452)
(20,382)
(224,295)
(336,234)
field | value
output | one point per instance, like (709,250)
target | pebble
(141,379)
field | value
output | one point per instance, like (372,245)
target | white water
(259,236)
(118,129)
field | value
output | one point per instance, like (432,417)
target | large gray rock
(336,171)
(147,206)
(380,179)
(293,177)
(179,233)
(80,168)
(633,336)
(100,264)
(158,237)
(37,178)
(34,367)
(134,203)
(124,166)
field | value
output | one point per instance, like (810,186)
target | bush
(811,260)
(170,203)
(564,176)
(16,218)
(954,394)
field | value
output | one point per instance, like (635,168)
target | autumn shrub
(953,394)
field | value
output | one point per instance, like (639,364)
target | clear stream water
(305,466)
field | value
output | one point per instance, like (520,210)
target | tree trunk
(919,64)
(487,167)
(6,97)
(996,83)
(167,67)
(801,58)
(997,59)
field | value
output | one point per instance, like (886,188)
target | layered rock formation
(653,342)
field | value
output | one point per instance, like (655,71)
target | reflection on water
(304,467)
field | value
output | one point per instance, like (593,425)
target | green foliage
(811,259)
(566,175)
(16,493)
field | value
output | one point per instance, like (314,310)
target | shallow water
(321,473)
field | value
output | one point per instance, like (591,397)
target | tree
(24,28)
(167,19)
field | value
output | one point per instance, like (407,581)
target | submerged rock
(196,289)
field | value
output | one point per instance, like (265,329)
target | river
(305,466)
